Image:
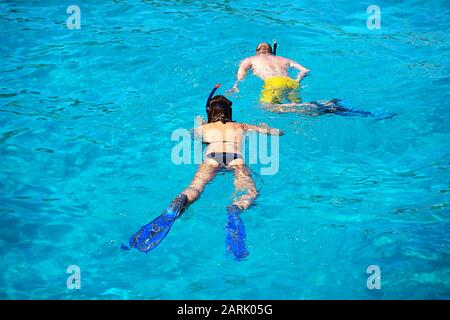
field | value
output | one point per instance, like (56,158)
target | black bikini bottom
(223,158)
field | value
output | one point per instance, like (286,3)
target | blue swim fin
(150,235)
(236,233)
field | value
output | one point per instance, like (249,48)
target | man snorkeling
(273,70)
(278,87)
(224,139)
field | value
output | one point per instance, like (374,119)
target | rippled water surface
(85,144)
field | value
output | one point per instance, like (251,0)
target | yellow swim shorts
(275,89)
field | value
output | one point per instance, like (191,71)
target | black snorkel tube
(275,44)
(211,95)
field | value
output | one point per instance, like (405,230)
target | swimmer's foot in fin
(236,233)
(150,235)
(335,106)
(384,115)
(360,113)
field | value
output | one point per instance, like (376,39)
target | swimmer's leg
(294,96)
(244,184)
(317,108)
(235,229)
(307,108)
(205,173)
(150,235)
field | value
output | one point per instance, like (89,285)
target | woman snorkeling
(224,139)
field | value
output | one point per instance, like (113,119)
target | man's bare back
(265,65)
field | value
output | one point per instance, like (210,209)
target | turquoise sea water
(87,115)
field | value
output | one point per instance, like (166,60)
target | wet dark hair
(219,109)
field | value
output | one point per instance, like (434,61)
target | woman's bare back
(223,137)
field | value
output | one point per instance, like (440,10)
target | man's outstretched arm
(243,67)
(302,70)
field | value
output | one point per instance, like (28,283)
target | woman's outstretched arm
(263,129)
